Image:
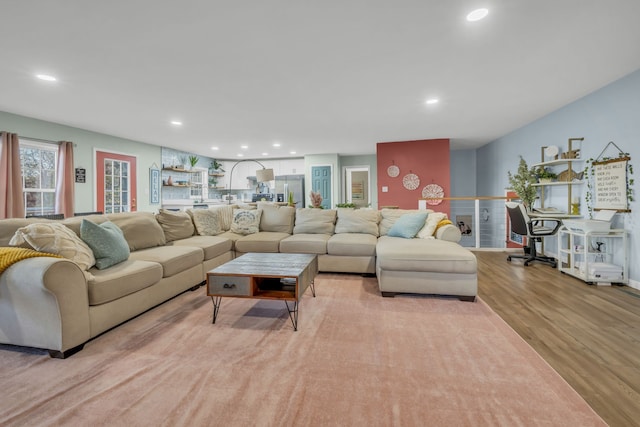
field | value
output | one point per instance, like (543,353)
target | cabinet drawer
(229,285)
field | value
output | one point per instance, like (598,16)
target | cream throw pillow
(226,215)
(430,225)
(57,239)
(364,221)
(207,221)
(176,225)
(246,221)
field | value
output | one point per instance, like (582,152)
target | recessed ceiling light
(292,152)
(176,122)
(244,147)
(276,144)
(215,148)
(46,77)
(431,101)
(240,155)
(265,154)
(477,14)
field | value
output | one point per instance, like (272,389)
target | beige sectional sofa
(51,303)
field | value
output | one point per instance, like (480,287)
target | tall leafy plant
(522,183)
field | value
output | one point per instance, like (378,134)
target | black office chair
(534,229)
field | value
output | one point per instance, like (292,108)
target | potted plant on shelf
(545,175)
(193,161)
(215,167)
(182,161)
(523,182)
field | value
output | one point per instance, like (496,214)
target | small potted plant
(215,166)
(545,175)
(346,205)
(193,161)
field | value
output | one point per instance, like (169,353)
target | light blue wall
(463,173)
(85,144)
(609,114)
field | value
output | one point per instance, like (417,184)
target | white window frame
(201,184)
(24,143)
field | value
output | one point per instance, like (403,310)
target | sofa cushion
(305,244)
(429,229)
(279,219)
(173,258)
(106,241)
(226,215)
(176,225)
(206,221)
(54,237)
(75,222)
(264,241)
(429,255)
(246,221)
(408,225)
(315,221)
(389,216)
(357,221)
(352,244)
(122,279)
(213,246)
(140,229)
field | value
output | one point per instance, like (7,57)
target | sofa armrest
(44,303)
(449,232)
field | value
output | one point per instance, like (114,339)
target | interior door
(321,183)
(115,182)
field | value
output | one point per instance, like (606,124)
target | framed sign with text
(154,186)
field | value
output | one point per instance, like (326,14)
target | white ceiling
(318,76)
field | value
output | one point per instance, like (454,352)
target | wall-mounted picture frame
(154,186)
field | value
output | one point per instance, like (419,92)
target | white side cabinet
(595,257)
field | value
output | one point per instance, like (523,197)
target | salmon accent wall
(426,158)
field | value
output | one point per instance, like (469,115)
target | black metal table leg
(293,313)
(216,307)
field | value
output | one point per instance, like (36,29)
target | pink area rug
(356,359)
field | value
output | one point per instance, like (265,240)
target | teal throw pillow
(107,242)
(408,225)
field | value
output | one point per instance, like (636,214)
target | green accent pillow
(107,242)
(408,225)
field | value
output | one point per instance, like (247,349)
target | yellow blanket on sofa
(11,255)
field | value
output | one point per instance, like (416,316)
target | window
(116,186)
(39,162)
(199,189)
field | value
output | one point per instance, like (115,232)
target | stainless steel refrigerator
(293,183)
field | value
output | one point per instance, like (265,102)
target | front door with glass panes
(116,178)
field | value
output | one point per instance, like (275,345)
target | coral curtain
(65,179)
(11,197)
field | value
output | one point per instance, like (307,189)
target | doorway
(357,189)
(115,182)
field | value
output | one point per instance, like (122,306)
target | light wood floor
(589,334)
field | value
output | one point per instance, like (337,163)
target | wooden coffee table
(264,276)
